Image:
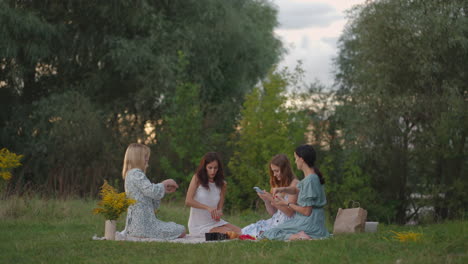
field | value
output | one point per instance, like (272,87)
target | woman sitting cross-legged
(309,220)
(281,175)
(205,196)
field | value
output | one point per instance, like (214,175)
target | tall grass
(35,230)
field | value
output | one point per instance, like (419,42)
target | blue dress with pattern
(311,193)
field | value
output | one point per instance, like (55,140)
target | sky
(309,30)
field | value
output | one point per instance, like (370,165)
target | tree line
(81,80)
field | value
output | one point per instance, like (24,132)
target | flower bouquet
(112,205)
(8,161)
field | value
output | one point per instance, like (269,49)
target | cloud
(316,57)
(305,42)
(332,41)
(298,15)
(309,30)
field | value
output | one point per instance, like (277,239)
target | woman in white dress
(281,175)
(205,196)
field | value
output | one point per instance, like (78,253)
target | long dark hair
(287,175)
(307,153)
(202,176)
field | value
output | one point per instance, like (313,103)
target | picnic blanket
(188,239)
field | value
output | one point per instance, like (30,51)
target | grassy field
(59,231)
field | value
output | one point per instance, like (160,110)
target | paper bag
(351,220)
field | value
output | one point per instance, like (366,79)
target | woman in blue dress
(309,219)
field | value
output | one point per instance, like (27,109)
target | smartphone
(258,189)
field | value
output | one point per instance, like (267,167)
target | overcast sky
(309,30)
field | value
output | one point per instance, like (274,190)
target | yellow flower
(8,161)
(112,204)
(6,175)
(406,236)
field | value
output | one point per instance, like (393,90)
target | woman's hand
(170,185)
(215,213)
(280,201)
(265,196)
(220,213)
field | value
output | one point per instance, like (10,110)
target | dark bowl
(215,236)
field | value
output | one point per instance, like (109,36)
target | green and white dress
(311,193)
(141,221)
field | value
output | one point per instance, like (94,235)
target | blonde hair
(135,158)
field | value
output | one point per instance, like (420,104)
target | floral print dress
(141,220)
(261,226)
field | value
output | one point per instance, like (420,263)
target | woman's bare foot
(225,228)
(183,234)
(300,236)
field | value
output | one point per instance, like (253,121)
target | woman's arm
(189,200)
(269,202)
(292,199)
(221,197)
(219,212)
(304,210)
(288,190)
(140,181)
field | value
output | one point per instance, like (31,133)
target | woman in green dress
(309,219)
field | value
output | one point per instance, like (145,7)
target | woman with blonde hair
(281,175)
(141,220)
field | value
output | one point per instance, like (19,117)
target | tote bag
(350,220)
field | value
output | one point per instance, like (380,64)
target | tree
(401,75)
(265,129)
(70,148)
(123,59)
(181,139)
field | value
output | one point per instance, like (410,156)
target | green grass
(35,230)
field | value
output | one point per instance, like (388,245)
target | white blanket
(188,239)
